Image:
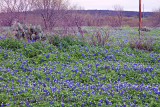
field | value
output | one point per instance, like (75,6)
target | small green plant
(30,51)
(64,42)
(54,40)
(68,39)
(10,43)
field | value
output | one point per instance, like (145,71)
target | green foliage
(155,47)
(54,40)
(33,49)
(65,42)
(69,40)
(71,72)
(10,43)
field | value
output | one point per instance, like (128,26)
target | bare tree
(13,9)
(97,19)
(74,19)
(78,21)
(51,11)
(27,5)
(9,9)
(119,14)
(112,21)
(156,18)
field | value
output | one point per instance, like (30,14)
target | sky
(128,5)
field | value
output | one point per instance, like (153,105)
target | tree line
(57,13)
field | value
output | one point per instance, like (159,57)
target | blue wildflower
(99,104)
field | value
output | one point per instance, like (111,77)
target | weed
(10,43)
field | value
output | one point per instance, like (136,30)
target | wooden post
(139,19)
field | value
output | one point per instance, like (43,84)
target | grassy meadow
(105,69)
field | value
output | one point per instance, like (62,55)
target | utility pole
(143,17)
(139,19)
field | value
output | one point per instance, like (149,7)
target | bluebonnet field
(75,74)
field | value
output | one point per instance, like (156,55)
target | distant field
(72,73)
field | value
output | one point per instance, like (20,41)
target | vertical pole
(143,17)
(143,13)
(139,19)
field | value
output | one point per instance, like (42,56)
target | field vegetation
(56,55)
(68,71)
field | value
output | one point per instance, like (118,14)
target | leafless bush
(119,15)
(77,19)
(51,11)
(156,18)
(100,37)
(145,43)
(12,10)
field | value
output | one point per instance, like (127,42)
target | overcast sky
(130,5)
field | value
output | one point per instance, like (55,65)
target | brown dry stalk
(93,41)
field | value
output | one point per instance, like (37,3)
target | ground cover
(71,73)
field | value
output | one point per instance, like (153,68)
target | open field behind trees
(65,71)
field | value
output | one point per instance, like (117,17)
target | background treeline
(59,13)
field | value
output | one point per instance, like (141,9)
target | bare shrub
(12,10)
(100,37)
(51,11)
(119,15)
(156,18)
(146,43)
(135,43)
